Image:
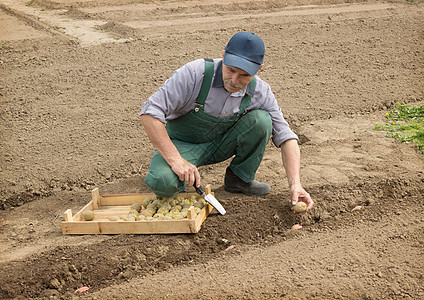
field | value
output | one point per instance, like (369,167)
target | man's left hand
(298,194)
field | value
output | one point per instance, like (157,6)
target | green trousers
(246,140)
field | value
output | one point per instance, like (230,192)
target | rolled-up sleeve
(176,96)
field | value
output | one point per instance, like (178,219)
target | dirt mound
(119,29)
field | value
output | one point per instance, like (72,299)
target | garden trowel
(210,199)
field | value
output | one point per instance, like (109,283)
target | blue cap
(245,51)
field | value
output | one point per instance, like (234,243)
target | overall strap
(206,84)
(247,98)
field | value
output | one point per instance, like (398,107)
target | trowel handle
(199,189)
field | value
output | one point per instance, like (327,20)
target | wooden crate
(105,206)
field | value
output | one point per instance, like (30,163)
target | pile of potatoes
(158,208)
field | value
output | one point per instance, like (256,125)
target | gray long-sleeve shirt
(178,94)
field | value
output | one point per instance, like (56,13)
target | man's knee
(261,122)
(163,182)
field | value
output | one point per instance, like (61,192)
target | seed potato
(299,207)
(198,204)
(146,202)
(136,206)
(88,215)
(133,212)
(147,213)
(114,218)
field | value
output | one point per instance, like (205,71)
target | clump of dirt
(119,29)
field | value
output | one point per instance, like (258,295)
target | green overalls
(203,139)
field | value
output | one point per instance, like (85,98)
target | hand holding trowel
(210,199)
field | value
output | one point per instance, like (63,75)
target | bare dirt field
(73,77)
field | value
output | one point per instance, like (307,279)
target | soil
(74,76)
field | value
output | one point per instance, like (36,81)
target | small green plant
(29,3)
(406,124)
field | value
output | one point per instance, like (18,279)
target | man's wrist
(294,182)
(171,160)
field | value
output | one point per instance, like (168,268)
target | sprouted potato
(147,213)
(146,202)
(198,204)
(133,212)
(136,206)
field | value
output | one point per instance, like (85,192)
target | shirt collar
(218,82)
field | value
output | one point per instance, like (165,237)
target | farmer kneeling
(213,110)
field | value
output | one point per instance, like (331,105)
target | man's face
(234,78)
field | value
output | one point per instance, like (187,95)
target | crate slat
(130,227)
(124,199)
(96,198)
(68,215)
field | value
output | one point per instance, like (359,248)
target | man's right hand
(186,171)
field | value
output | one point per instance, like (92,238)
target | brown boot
(234,184)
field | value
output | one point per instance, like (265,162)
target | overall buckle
(198,106)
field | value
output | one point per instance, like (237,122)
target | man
(213,110)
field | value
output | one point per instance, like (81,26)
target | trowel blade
(215,203)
